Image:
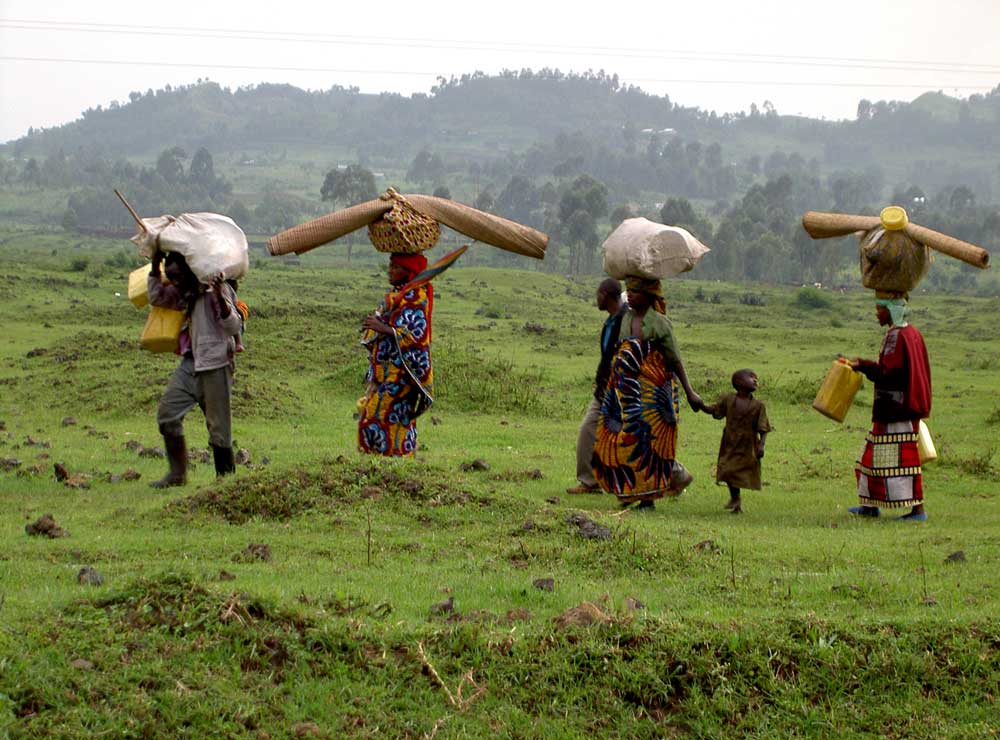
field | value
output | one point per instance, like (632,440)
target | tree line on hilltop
(575,178)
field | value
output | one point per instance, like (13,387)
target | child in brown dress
(742,445)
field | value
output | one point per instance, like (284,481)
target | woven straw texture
(481,226)
(822,225)
(402,229)
(326,228)
(949,245)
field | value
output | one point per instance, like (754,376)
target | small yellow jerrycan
(925,445)
(163,329)
(138,292)
(838,390)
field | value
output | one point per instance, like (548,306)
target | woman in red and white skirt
(888,471)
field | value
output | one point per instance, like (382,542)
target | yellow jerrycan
(925,445)
(163,329)
(838,390)
(138,292)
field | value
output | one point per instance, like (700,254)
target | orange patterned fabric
(634,457)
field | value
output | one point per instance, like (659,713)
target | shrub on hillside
(812,299)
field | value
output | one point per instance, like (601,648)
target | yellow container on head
(138,291)
(894,218)
(838,390)
(162,332)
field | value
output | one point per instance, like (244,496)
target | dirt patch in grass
(177,604)
(280,495)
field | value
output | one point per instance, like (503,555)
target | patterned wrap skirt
(400,376)
(637,427)
(888,470)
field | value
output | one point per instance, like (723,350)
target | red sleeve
(918,396)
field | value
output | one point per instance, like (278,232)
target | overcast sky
(811,58)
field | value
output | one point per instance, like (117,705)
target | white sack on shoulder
(650,250)
(211,243)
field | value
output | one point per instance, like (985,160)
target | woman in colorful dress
(888,472)
(635,454)
(400,377)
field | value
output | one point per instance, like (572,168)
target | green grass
(794,620)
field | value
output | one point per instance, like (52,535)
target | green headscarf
(898,310)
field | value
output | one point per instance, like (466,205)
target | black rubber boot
(177,458)
(224,462)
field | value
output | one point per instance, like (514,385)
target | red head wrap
(413,263)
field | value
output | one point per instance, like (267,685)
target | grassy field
(791,620)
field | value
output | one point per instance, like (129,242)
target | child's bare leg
(734,504)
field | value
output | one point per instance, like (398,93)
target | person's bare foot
(582,489)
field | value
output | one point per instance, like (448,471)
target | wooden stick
(131,210)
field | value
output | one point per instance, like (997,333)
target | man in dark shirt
(609,298)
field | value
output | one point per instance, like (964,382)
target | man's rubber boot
(177,458)
(224,461)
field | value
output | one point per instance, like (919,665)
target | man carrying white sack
(208,345)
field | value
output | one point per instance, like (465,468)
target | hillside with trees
(573,154)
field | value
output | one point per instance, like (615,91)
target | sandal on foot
(911,517)
(872,511)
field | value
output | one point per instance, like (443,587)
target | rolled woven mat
(949,245)
(820,225)
(481,226)
(326,228)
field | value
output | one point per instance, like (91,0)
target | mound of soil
(176,603)
(588,528)
(254,553)
(583,615)
(279,495)
(45,527)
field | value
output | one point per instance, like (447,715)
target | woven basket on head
(402,229)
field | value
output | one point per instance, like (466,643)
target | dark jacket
(609,346)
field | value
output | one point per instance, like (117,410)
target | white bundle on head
(209,242)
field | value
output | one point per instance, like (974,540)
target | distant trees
(167,187)
(620,213)
(348,186)
(427,166)
(353,184)
(170,164)
(580,206)
(680,212)
(278,211)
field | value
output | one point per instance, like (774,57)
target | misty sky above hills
(807,58)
